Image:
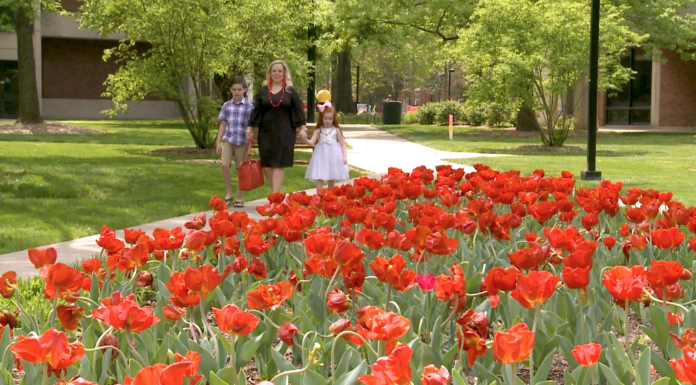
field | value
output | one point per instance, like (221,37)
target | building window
(9,90)
(631,105)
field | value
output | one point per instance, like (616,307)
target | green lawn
(60,187)
(660,161)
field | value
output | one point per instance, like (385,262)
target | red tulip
(434,376)
(169,240)
(181,295)
(452,286)
(232,320)
(269,297)
(534,288)
(663,273)
(337,301)
(344,325)
(52,347)
(43,257)
(258,268)
(286,333)
(625,284)
(204,279)
(197,223)
(667,239)
(193,359)
(685,368)
(576,277)
(392,272)
(499,279)
(393,369)
(160,374)
(588,354)
(687,340)
(122,313)
(346,253)
(173,313)
(129,258)
(377,324)
(108,241)
(8,282)
(69,316)
(514,345)
(528,258)
(240,263)
(195,240)
(674,318)
(63,281)
(132,235)
(609,242)
(91,266)
(426,282)
(217,204)
(255,245)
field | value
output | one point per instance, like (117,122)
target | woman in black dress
(277,114)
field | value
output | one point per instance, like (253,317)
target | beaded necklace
(270,95)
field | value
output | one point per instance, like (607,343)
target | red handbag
(250,175)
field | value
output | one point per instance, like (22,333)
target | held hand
(218,149)
(345,159)
(250,134)
(302,134)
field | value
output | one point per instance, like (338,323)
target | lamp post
(449,83)
(591,173)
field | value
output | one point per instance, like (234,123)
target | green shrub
(475,115)
(444,109)
(411,118)
(426,113)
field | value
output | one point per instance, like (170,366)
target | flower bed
(431,275)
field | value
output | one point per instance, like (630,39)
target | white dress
(327,159)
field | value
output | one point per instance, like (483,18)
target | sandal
(228,201)
(238,204)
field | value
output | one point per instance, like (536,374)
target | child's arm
(221,133)
(315,137)
(343,146)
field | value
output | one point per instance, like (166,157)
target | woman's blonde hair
(288,77)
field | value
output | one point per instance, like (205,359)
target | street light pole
(591,173)
(357,87)
(449,83)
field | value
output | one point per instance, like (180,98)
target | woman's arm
(342,140)
(298,115)
(255,117)
(221,133)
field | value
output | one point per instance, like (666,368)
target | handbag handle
(250,144)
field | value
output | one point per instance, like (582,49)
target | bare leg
(226,177)
(320,185)
(239,192)
(268,174)
(278,174)
(332,183)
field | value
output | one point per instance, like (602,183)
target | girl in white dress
(329,161)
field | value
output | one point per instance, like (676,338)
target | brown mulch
(511,132)
(45,128)
(548,148)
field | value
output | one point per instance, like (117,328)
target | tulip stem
(19,306)
(665,302)
(537,310)
(132,348)
(291,372)
(582,317)
(55,306)
(45,374)
(207,328)
(120,355)
(454,310)
(592,374)
(389,289)
(233,357)
(627,308)
(341,334)
(265,317)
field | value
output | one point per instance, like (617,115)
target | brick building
(70,72)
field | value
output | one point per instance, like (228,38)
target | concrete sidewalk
(372,150)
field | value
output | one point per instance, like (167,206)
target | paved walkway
(372,150)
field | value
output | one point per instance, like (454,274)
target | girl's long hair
(328,111)
(286,69)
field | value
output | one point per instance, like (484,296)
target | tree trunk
(343,97)
(527,119)
(29,111)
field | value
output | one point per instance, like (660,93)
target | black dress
(277,126)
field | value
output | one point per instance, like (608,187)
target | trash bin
(391,113)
